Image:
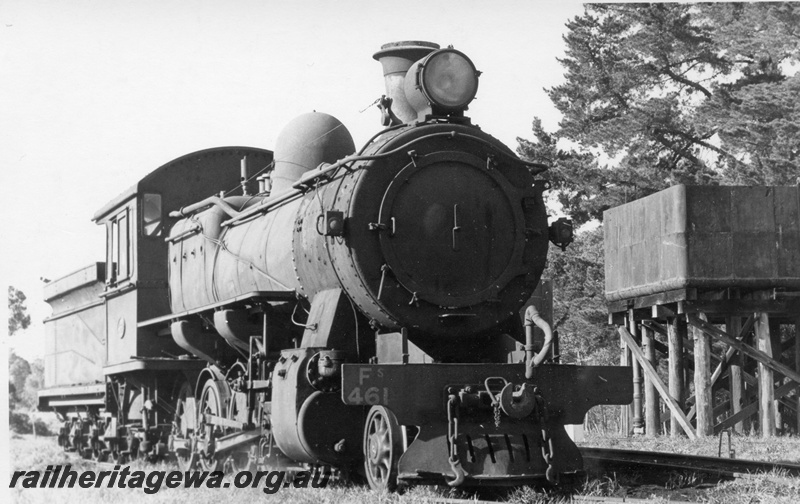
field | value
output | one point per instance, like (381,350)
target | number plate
(366,385)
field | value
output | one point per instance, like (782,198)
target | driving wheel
(185,457)
(213,401)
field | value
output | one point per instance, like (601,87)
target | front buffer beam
(466,437)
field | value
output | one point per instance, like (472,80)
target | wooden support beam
(777,352)
(648,369)
(721,408)
(734,306)
(742,331)
(660,347)
(746,412)
(747,377)
(702,383)
(651,406)
(662,298)
(752,408)
(789,403)
(665,331)
(730,352)
(728,357)
(751,352)
(766,382)
(658,312)
(652,324)
(687,343)
(659,329)
(676,329)
(715,376)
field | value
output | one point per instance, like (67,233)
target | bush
(19,422)
(42,427)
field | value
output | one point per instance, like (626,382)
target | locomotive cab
(137,223)
(103,360)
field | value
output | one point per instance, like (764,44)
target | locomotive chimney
(397,58)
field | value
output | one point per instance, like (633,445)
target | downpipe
(532,361)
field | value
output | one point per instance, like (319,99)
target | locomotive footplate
(485,424)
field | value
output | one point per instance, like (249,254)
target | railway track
(598,460)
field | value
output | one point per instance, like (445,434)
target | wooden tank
(704,237)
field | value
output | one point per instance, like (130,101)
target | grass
(772,487)
(36,453)
(29,453)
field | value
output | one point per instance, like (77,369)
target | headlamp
(445,81)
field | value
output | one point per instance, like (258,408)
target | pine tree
(673,93)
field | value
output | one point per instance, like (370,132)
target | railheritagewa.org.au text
(58,476)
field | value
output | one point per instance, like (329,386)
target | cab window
(151,215)
(119,248)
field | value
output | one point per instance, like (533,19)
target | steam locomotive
(358,309)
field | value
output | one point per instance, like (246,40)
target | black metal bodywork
(363,315)
(452,405)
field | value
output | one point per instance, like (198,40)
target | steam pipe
(212,200)
(532,361)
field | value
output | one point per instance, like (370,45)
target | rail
(603,458)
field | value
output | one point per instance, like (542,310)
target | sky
(96,94)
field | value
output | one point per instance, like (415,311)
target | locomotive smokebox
(306,142)
(397,58)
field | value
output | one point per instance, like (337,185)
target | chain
(452,425)
(547,441)
(547,455)
(452,435)
(495,397)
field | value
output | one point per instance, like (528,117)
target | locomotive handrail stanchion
(251,396)
(384,268)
